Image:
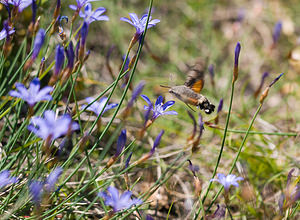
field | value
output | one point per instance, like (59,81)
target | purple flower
(276,31)
(211,70)
(5,178)
(36,189)
(33,8)
(50,127)
(291,194)
(121,143)
(159,108)
(237,54)
(84,32)
(59,59)
(70,55)
(118,202)
(80,4)
(128,160)
(140,24)
(20,4)
(33,94)
(98,106)
(228,180)
(220,105)
(90,16)
(276,79)
(136,92)
(193,168)
(52,178)
(38,43)
(156,142)
(3,33)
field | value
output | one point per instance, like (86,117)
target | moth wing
(198,85)
(195,80)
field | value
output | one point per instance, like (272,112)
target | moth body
(188,96)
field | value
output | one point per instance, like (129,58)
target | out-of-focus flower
(52,178)
(291,193)
(80,4)
(5,178)
(89,16)
(149,217)
(120,145)
(50,128)
(220,106)
(20,4)
(3,33)
(159,108)
(276,32)
(70,56)
(228,180)
(59,59)
(128,160)
(264,76)
(136,92)
(98,106)
(219,213)
(119,202)
(193,168)
(38,43)
(38,188)
(140,24)
(33,94)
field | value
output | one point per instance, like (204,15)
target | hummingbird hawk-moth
(189,93)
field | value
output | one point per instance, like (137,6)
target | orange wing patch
(198,85)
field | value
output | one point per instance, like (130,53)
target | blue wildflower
(3,33)
(98,106)
(52,178)
(90,16)
(220,106)
(156,142)
(276,32)
(33,94)
(121,143)
(159,108)
(5,178)
(237,54)
(136,92)
(20,4)
(80,4)
(59,59)
(140,24)
(236,61)
(50,128)
(228,180)
(119,202)
(38,43)
(36,189)
(70,56)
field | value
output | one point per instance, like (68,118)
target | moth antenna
(165,86)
